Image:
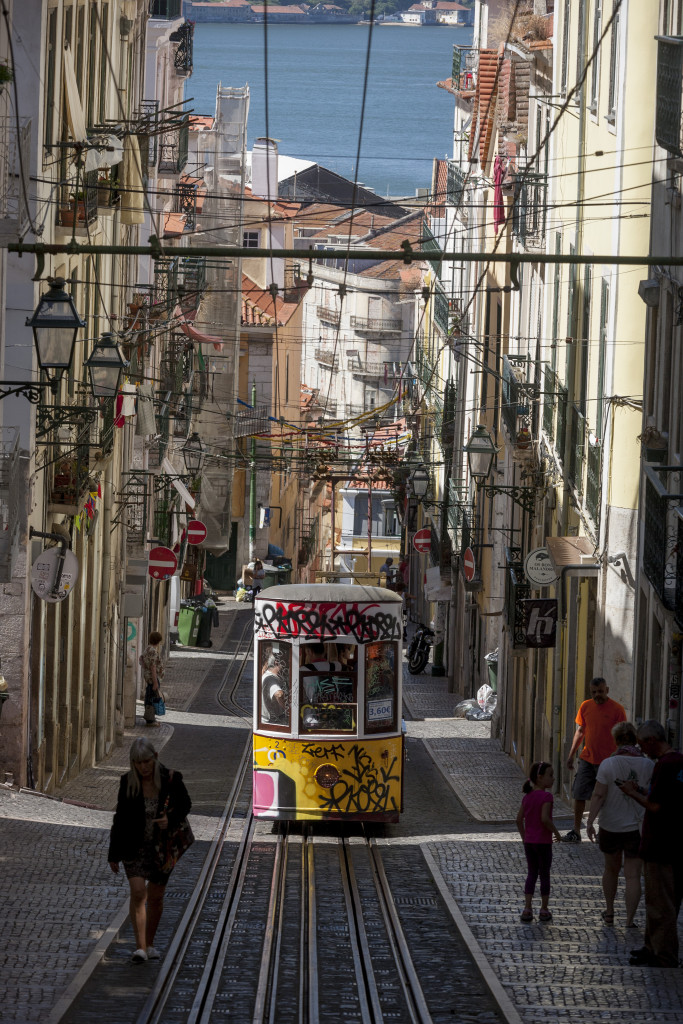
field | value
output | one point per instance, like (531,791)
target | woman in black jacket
(152,800)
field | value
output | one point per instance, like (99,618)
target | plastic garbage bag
(486,698)
(479,715)
(464,706)
(241,594)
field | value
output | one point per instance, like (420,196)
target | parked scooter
(420,646)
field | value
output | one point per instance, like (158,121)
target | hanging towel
(146,422)
(129,393)
(498,208)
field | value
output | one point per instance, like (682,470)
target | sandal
(607,918)
(545,915)
(527,915)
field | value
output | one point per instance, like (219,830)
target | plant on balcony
(654,444)
(6,75)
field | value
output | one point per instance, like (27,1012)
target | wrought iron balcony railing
(594,481)
(173,148)
(330,316)
(183,56)
(663,535)
(577,447)
(327,358)
(186,202)
(668,124)
(514,401)
(375,325)
(530,209)
(78,201)
(562,402)
(549,389)
(455,184)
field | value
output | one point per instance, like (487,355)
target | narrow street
(461,793)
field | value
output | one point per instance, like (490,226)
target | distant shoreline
(207,13)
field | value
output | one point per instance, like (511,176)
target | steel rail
(406,254)
(370,1005)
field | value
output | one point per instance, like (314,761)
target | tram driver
(275,692)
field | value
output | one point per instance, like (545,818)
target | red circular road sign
(162,563)
(422,541)
(196,532)
(468,564)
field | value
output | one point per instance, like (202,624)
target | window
(328,676)
(275,669)
(580,49)
(384,519)
(251,239)
(381,662)
(595,67)
(50,76)
(565,49)
(585,336)
(613,73)
(556,302)
(602,350)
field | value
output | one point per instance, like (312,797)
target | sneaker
(152,953)
(139,956)
(572,837)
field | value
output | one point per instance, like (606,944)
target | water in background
(315,90)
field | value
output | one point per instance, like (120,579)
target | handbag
(176,842)
(159,704)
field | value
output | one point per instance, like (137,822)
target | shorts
(584,780)
(616,842)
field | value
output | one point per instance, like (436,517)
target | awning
(191,332)
(75,114)
(574,551)
(180,487)
(132,199)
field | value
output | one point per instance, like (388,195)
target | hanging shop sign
(422,541)
(54,574)
(538,568)
(540,621)
(162,563)
(196,532)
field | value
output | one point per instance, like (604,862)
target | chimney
(264,169)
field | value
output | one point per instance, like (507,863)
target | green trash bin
(284,573)
(189,621)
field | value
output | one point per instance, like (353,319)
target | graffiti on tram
(369,776)
(367,623)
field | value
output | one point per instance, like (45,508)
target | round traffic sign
(196,532)
(468,564)
(422,541)
(539,569)
(162,563)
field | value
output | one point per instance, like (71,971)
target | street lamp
(481,452)
(193,453)
(419,482)
(55,324)
(105,365)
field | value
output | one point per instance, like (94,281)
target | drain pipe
(105,625)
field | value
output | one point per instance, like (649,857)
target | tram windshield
(328,682)
(381,668)
(275,660)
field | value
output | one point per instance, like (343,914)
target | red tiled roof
(439,187)
(484,105)
(174,225)
(260,309)
(198,121)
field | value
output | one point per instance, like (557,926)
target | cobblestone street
(62,906)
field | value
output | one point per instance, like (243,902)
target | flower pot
(654,453)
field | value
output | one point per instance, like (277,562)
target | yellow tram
(328,739)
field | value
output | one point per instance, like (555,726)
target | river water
(315,92)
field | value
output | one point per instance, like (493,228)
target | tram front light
(326,776)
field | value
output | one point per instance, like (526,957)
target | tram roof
(339,592)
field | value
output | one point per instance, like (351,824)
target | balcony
(517,590)
(529,210)
(465,67)
(663,536)
(550,389)
(79,198)
(514,399)
(185,201)
(668,126)
(15,153)
(173,147)
(165,9)
(577,447)
(330,316)
(594,481)
(250,420)
(327,358)
(455,184)
(561,439)
(376,325)
(376,370)
(182,59)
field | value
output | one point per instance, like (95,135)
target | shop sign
(53,577)
(540,621)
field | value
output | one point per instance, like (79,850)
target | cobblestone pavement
(62,906)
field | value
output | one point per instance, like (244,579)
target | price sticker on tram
(380,710)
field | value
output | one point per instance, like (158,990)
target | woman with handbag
(149,833)
(152,674)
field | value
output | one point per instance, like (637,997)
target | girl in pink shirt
(535,824)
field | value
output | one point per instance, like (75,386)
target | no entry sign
(468,564)
(196,532)
(422,541)
(162,563)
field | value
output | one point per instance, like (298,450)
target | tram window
(327,696)
(381,667)
(276,691)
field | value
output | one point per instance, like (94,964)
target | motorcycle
(420,645)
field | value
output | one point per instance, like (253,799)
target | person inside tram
(320,679)
(275,692)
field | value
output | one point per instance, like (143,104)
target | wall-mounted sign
(162,563)
(540,621)
(538,568)
(469,566)
(422,541)
(52,578)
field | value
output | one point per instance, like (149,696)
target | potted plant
(654,443)
(104,190)
(77,204)
(6,75)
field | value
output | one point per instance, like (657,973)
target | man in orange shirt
(594,721)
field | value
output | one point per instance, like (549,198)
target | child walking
(535,824)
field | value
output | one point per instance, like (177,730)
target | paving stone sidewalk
(574,969)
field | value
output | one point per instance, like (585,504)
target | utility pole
(252,485)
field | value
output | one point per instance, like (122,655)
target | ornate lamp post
(193,453)
(105,365)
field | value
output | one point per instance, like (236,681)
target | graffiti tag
(364,622)
(363,788)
